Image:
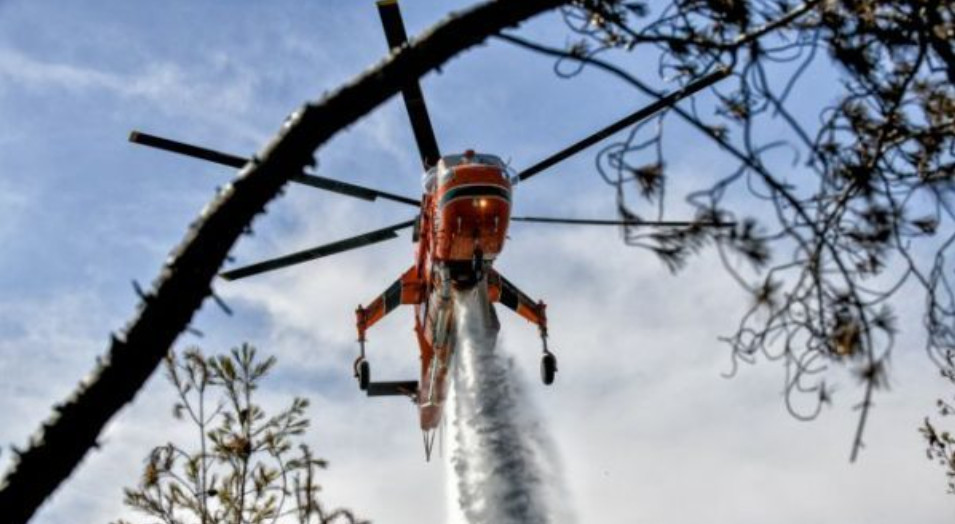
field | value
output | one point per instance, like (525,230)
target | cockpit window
(444,171)
(446,174)
(449,161)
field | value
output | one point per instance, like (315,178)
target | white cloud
(218,90)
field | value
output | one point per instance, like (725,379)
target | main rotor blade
(597,222)
(641,114)
(226,159)
(347,244)
(411,92)
(165,144)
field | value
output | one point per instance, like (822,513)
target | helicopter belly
(439,339)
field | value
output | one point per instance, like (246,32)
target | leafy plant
(248,468)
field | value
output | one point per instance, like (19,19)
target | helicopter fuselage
(466,210)
(467,205)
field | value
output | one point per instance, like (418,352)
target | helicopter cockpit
(444,169)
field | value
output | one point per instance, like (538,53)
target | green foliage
(248,467)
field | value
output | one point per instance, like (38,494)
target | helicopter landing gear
(548,362)
(362,368)
(363,373)
(548,368)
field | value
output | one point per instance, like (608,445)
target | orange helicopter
(465,213)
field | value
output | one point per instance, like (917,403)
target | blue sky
(647,428)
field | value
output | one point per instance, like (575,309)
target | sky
(646,426)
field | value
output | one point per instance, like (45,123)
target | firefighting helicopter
(460,230)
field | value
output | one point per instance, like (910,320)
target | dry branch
(825,244)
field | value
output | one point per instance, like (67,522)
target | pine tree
(246,466)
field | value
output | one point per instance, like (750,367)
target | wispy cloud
(216,90)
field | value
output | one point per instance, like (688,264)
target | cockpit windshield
(472,158)
(445,166)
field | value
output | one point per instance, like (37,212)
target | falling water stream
(503,466)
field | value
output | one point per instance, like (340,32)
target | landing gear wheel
(548,369)
(363,372)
